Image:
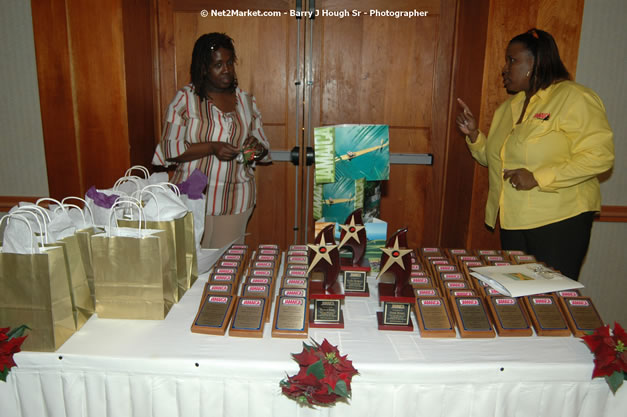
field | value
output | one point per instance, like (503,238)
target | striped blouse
(231,188)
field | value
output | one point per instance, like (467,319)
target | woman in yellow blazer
(546,146)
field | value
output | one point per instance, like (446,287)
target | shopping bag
(84,232)
(163,210)
(64,227)
(34,290)
(131,270)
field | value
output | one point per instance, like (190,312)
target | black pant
(561,245)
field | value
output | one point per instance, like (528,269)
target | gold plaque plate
(472,317)
(249,317)
(213,314)
(510,316)
(546,316)
(434,318)
(291,318)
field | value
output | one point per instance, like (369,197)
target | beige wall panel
(22,162)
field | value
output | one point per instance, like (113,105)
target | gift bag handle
(154,197)
(18,216)
(85,206)
(39,213)
(57,202)
(141,168)
(112,213)
(165,186)
(37,209)
(64,206)
(129,178)
(174,187)
(43,227)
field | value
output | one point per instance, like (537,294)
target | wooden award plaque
(421,281)
(427,292)
(291,318)
(326,313)
(546,316)
(293,292)
(252,290)
(395,316)
(213,314)
(220,278)
(581,315)
(249,317)
(462,293)
(472,317)
(510,316)
(434,318)
(218,289)
(355,284)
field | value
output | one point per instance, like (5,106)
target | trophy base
(327,325)
(386,294)
(318,292)
(365,293)
(346,264)
(396,327)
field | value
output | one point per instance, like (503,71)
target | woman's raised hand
(466,121)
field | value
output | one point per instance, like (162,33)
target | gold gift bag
(34,290)
(191,256)
(82,301)
(175,246)
(83,237)
(130,266)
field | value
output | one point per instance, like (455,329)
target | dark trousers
(561,245)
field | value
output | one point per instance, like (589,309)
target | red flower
(10,343)
(610,356)
(323,378)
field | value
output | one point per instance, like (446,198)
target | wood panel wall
(101,86)
(505,19)
(95,70)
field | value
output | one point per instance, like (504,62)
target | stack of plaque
(252,306)
(291,318)
(579,311)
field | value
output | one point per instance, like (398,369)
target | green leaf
(615,381)
(17,332)
(4,374)
(340,389)
(317,369)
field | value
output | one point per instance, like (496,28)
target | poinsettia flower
(306,357)
(324,375)
(608,349)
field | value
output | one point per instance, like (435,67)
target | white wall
(22,158)
(602,66)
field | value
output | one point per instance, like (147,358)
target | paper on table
(521,280)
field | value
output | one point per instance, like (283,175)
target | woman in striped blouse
(208,124)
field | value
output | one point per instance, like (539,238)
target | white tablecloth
(129,368)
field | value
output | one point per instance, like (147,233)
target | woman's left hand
(260,150)
(521,178)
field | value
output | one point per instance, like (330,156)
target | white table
(129,368)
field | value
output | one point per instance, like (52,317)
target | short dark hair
(548,67)
(202,57)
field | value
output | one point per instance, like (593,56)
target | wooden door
(390,70)
(353,69)
(267,67)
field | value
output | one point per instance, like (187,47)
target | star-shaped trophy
(397,297)
(356,267)
(326,294)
